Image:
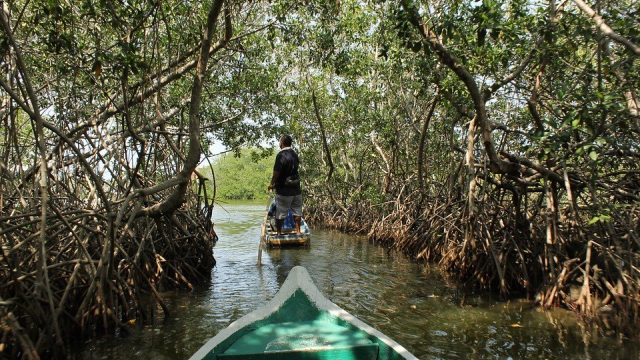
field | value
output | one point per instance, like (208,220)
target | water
(412,303)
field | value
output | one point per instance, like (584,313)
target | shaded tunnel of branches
(508,154)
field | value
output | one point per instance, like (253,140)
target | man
(288,193)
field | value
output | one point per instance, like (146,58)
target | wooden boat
(288,237)
(300,323)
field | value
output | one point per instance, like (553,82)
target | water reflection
(411,303)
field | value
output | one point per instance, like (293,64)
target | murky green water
(409,302)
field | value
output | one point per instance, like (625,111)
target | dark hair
(286,140)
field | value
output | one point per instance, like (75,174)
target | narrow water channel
(412,303)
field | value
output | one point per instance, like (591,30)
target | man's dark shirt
(286,164)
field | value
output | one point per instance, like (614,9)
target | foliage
(242,176)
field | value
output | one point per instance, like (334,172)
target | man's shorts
(283,203)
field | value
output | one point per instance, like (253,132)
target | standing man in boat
(286,181)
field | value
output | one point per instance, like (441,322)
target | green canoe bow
(300,323)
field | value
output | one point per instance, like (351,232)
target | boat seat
(308,340)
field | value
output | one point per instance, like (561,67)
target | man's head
(285,141)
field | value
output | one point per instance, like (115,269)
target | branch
(495,163)
(539,168)
(34,114)
(605,28)
(510,77)
(423,138)
(327,151)
(175,200)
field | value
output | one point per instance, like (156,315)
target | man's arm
(274,178)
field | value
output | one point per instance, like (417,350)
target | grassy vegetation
(241,176)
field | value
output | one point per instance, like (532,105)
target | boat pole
(264,229)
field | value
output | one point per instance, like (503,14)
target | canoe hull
(288,237)
(291,315)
